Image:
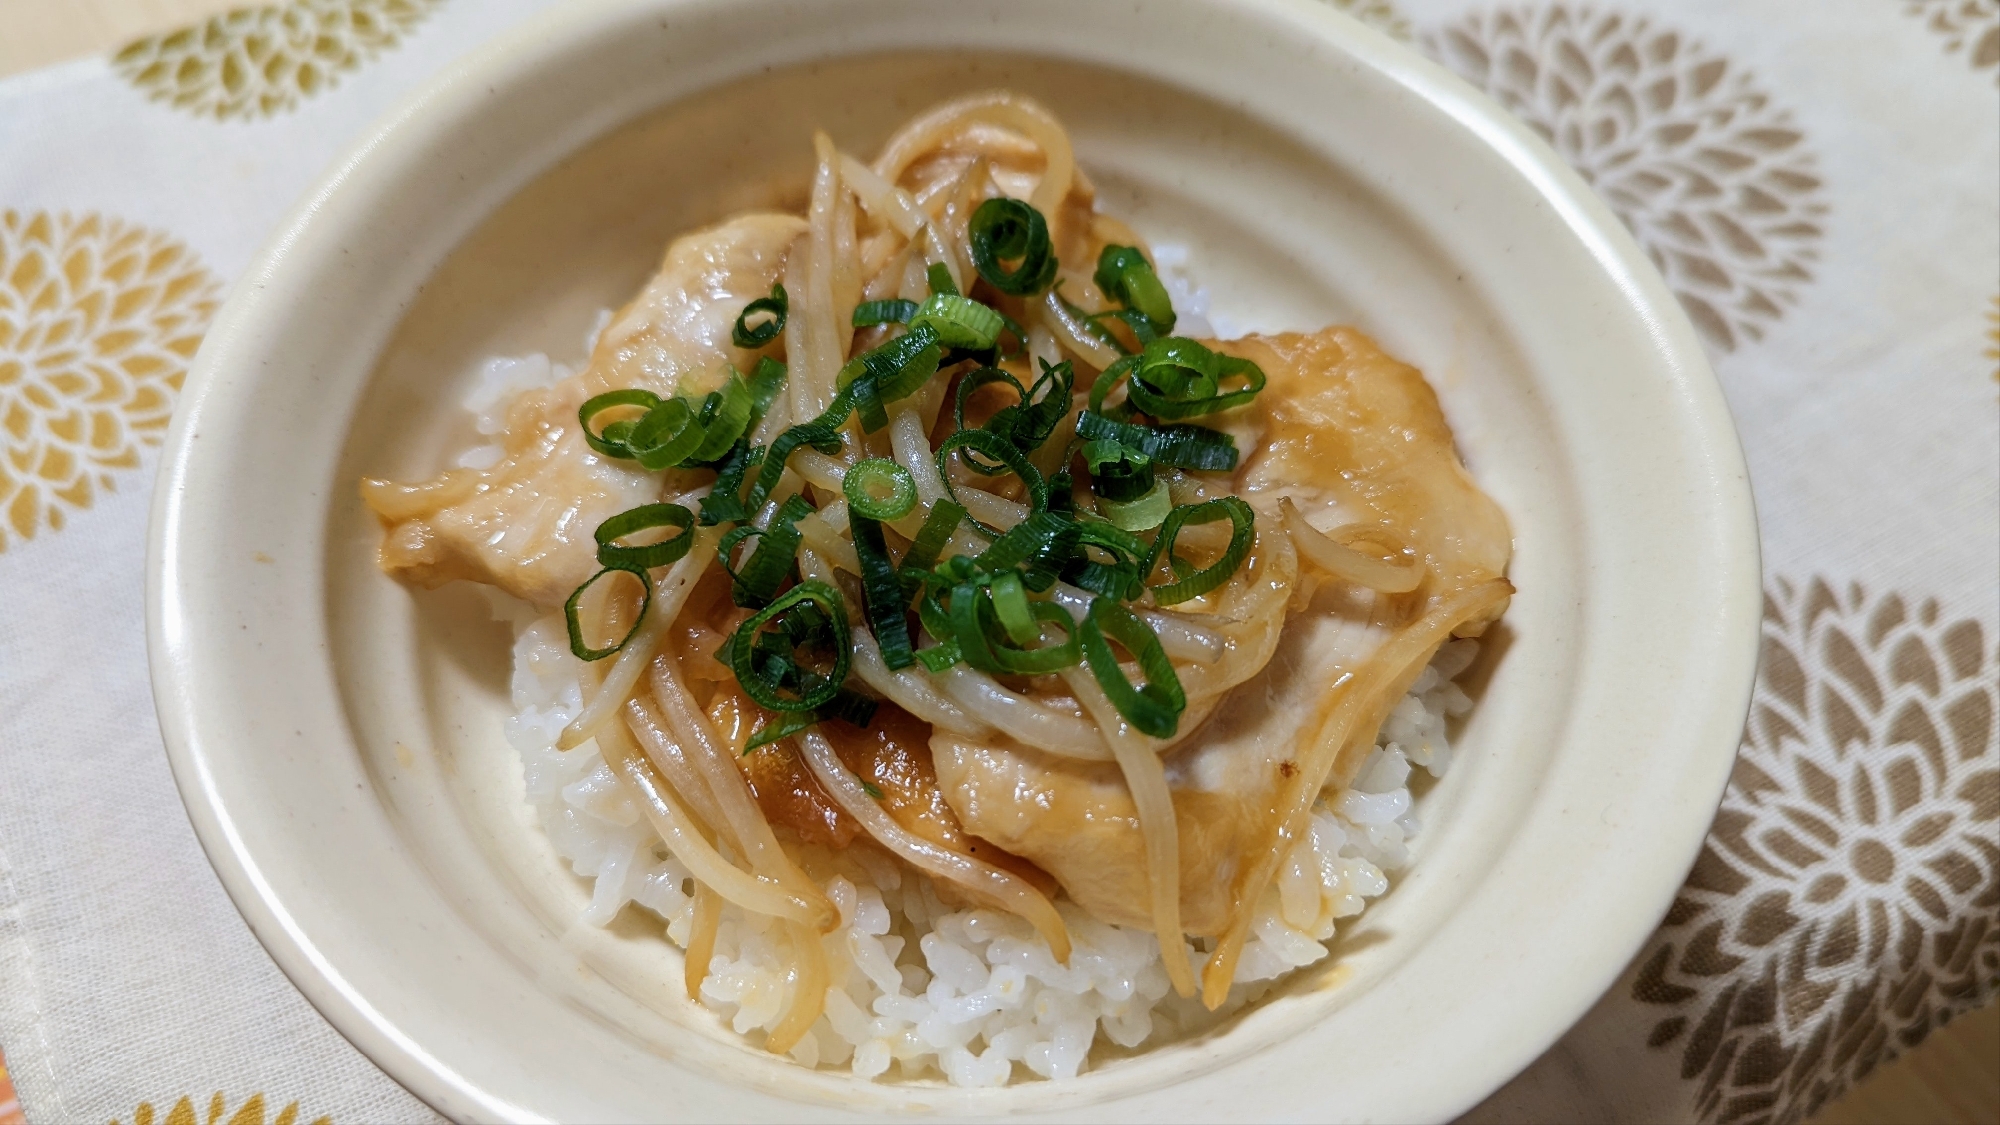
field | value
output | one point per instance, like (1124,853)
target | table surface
(1951,1079)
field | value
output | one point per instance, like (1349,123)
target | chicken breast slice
(525,525)
(1351,435)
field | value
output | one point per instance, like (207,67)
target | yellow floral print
(251,1112)
(98,320)
(257,62)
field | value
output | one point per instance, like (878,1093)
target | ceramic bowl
(336,736)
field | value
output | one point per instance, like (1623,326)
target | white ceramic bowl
(335,735)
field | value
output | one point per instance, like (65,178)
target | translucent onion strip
(1000,108)
(741,816)
(1022,718)
(809,980)
(1069,330)
(1346,563)
(1343,722)
(677,829)
(668,598)
(990,884)
(1139,760)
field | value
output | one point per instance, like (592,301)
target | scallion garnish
(1194,583)
(1142,513)
(1154,708)
(933,536)
(768,565)
(770,672)
(895,310)
(939,276)
(880,489)
(1179,378)
(1118,472)
(577,645)
(1123,577)
(960,322)
(883,600)
(883,375)
(1180,446)
(747,335)
(1127,277)
(612,553)
(992,445)
(1004,230)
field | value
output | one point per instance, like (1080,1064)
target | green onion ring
(868,481)
(1024,661)
(777,304)
(895,310)
(1154,709)
(742,657)
(939,276)
(1125,276)
(576,645)
(1143,513)
(1011,229)
(1197,583)
(1179,378)
(1010,605)
(611,553)
(932,537)
(1178,446)
(992,445)
(960,322)
(597,404)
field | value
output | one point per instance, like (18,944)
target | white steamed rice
(919,988)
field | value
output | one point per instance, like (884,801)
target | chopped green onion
(1179,378)
(777,549)
(576,642)
(1032,537)
(882,598)
(880,489)
(1194,584)
(764,674)
(666,436)
(611,553)
(820,433)
(1118,472)
(1010,604)
(1154,709)
(973,623)
(960,322)
(723,418)
(939,275)
(932,537)
(1181,447)
(1127,277)
(895,310)
(1123,577)
(784,725)
(612,442)
(989,444)
(724,502)
(1142,514)
(765,383)
(885,374)
(1024,424)
(744,335)
(1107,381)
(1005,230)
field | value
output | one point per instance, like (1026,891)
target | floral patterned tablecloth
(1819,182)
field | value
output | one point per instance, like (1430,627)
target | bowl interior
(338,736)
(1281,237)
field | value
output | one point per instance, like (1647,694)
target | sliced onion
(678,830)
(668,598)
(1347,719)
(990,884)
(1139,760)
(1344,562)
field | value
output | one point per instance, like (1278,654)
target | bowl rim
(430,1077)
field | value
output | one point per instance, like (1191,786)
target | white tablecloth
(1820,182)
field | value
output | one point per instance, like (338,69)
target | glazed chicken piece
(525,525)
(1349,435)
